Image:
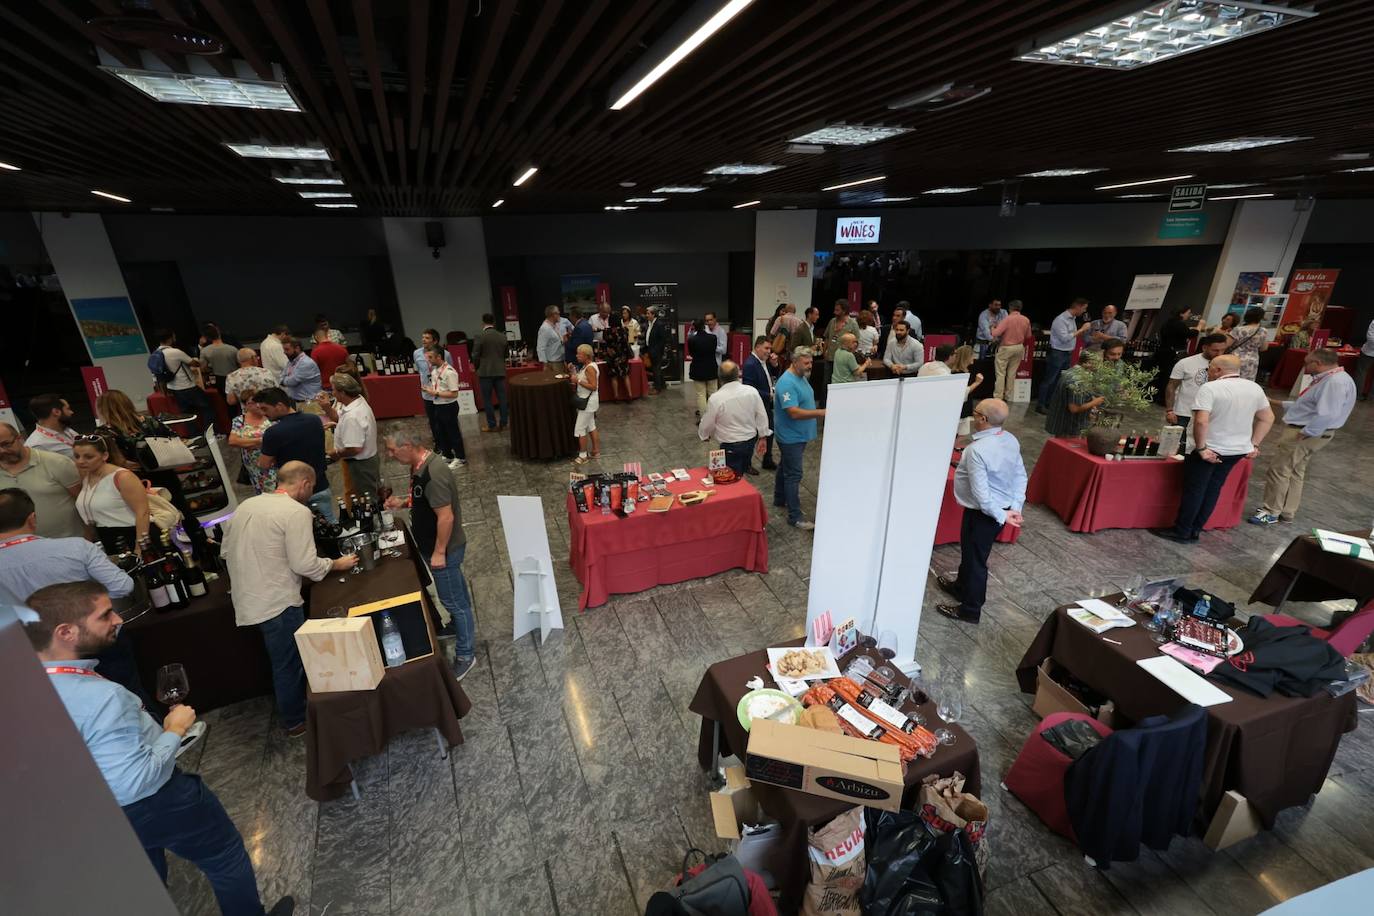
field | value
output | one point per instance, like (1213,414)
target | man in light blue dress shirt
(1064,334)
(987,320)
(301,377)
(548,346)
(69,623)
(990,483)
(1103,329)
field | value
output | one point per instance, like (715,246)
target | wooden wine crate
(340,654)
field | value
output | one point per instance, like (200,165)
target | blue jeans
(787,484)
(739,455)
(453,592)
(288,675)
(186,817)
(494,386)
(323,501)
(1056,362)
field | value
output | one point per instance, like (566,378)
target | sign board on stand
(1021,388)
(1187,198)
(510,312)
(1147,292)
(662,297)
(467,378)
(527,543)
(1308,294)
(93,377)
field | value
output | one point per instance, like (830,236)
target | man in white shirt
(269,546)
(600,322)
(1365,365)
(1188,375)
(1310,423)
(736,417)
(183,385)
(355,435)
(272,353)
(51,414)
(937,366)
(1231,417)
(904,354)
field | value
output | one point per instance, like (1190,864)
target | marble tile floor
(577,790)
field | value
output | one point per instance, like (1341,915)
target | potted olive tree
(1127,390)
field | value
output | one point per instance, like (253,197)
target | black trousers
(656,369)
(976,536)
(1202,483)
(448,440)
(433,429)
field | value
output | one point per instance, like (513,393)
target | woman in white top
(1248,341)
(868,334)
(586,383)
(627,320)
(112,501)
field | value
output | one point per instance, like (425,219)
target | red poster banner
(1319,338)
(6,414)
(1023,368)
(855,296)
(462,364)
(603,293)
(1309,291)
(93,377)
(737,347)
(510,306)
(938,340)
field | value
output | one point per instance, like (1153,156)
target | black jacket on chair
(1140,785)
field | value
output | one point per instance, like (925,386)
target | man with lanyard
(436,522)
(355,435)
(988,319)
(1064,334)
(1231,417)
(758,374)
(430,338)
(52,416)
(1310,423)
(68,624)
(51,480)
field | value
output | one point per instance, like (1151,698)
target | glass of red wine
(172,684)
(887,644)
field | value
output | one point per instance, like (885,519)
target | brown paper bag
(836,852)
(946,807)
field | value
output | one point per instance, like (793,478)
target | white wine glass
(172,684)
(1130,593)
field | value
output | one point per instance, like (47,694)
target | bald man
(269,546)
(990,483)
(248,379)
(1231,417)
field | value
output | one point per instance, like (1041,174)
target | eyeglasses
(94,440)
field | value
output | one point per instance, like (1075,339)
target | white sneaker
(192,736)
(457,463)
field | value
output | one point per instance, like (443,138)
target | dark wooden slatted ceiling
(432,107)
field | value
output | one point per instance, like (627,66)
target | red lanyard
(15,542)
(72,669)
(1318,379)
(56,437)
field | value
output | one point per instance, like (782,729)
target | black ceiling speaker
(142,27)
(434,236)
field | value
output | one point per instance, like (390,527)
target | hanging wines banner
(662,297)
(1309,291)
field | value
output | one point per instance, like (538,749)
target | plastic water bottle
(1203,606)
(392,649)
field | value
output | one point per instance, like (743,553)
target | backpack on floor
(719,889)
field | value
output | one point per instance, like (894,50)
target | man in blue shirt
(794,425)
(1064,334)
(582,333)
(987,320)
(67,624)
(1103,329)
(990,483)
(429,338)
(301,377)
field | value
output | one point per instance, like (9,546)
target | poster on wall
(1252,283)
(1148,292)
(510,312)
(579,291)
(663,298)
(1308,293)
(109,327)
(93,378)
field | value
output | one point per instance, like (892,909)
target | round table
(541,416)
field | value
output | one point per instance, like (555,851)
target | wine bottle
(194,577)
(367,523)
(175,573)
(157,585)
(345,518)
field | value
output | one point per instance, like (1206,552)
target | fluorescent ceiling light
(743,168)
(266,151)
(107,194)
(674,57)
(1138,196)
(1241,196)
(498,203)
(678,189)
(1132,184)
(221,91)
(619,207)
(849,135)
(526,176)
(1363,168)
(645,200)
(1059,173)
(318,195)
(337,206)
(1161,31)
(891,200)
(949,190)
(1350,157)
(747,203)
(850,184)
(10,168)
(1236,144)
(1232,186)
(289,180)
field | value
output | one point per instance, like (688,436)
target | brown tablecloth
(716,699)
(1305,572)
(1275,751)
(345,726)
(225,663)
(541,416)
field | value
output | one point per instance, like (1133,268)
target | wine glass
(1164,615)
(172,684)
(887,644)
(950,709)
(1131,591)
(348,549)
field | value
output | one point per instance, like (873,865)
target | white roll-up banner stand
(884,464)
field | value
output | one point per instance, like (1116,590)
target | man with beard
(52,432)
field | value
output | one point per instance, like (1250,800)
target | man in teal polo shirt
(794,425)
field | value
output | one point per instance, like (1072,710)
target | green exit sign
(1182,225)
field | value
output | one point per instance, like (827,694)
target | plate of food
(724,475)
(768,703)
(803,664)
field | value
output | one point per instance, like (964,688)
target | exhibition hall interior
(483,457)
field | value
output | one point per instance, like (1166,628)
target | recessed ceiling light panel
(1236,144)
(1133,184)
(525,176)
(270,151)
(673,50)
(1242,196)
(10,168)
(679,189)
(891,200)
(220,91)
(107,195)
(321,195)
(619,207)
(743,168)
(1059,173)
(645,200)
(498,203)
(297,180)
(850,134)
(1138,196)
(337,206)
(747,203)
(1233,185)
(1160,31)
(949,190)
(1363,168)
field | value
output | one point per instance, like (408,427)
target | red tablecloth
(392,396)
(1091,493)
(611,555)
(952,517)
(161,403)
(1290,366)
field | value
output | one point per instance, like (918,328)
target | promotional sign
(109,327)
(1272,285)
(6,411)
(855,294)
(1320,337)
(662,296)
(1255,283)
(1308,293)
(1148,291)
(738,347)
(801,269)
(603,293)
(1182,225)
(1021,388)
(93,377)
(938,340)
(1187,198)
(510,312)
(857,230)
(467,378)
(579,291)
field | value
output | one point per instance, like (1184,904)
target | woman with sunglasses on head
(125,427)
(112,501)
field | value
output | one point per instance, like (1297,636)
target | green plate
(742,710)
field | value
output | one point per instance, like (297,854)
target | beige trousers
(1006,359)
(704,391)
(1287,469)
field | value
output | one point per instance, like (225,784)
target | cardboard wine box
(834,766)
(340,654)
